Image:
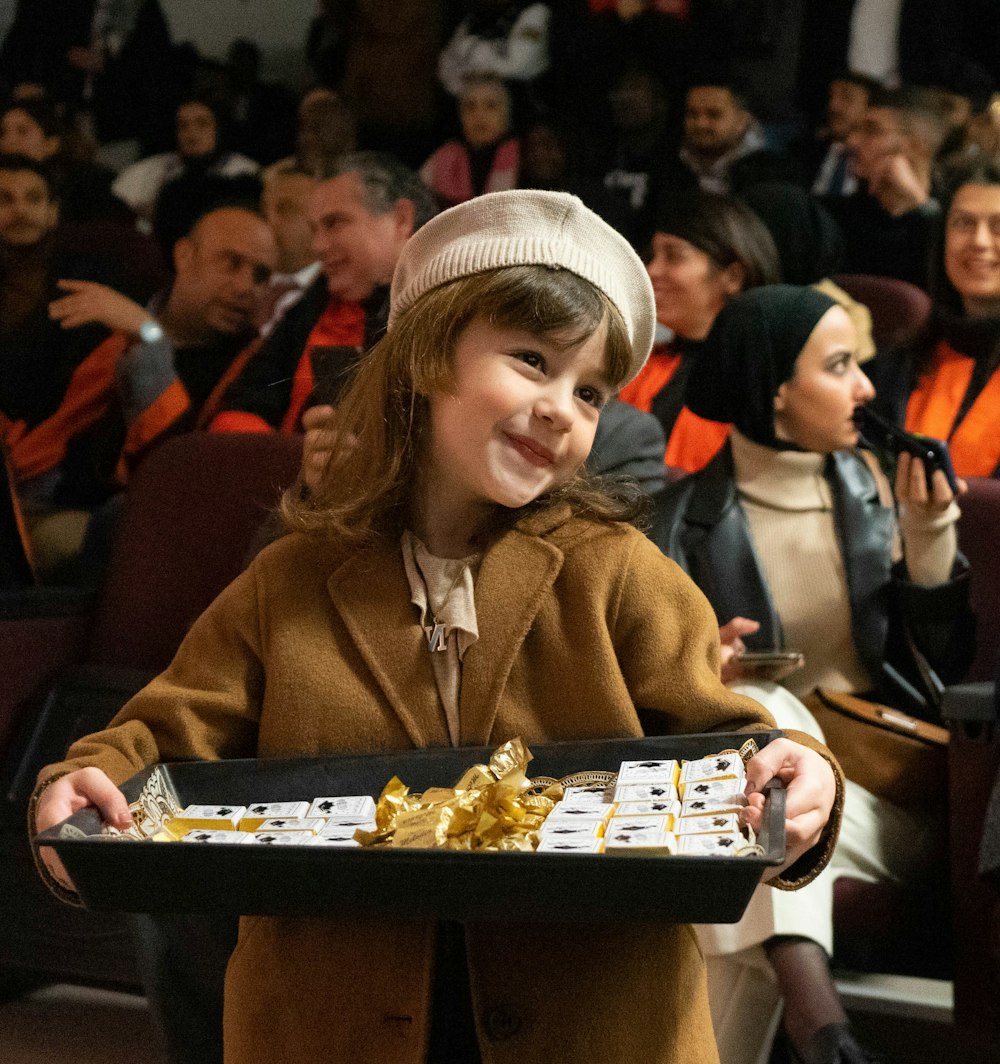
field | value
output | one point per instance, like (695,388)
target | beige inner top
(442,590)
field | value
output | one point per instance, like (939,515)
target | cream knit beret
(528,227)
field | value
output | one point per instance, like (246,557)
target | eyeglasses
(966,224)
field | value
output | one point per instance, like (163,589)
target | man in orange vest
(162,370)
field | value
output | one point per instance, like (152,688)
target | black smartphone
(770,664)
(881,433)
(332,369)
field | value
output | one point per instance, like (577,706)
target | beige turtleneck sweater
(789,509)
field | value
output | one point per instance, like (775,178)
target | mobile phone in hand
(770,664)
(884,434)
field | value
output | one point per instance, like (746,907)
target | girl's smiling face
(519,420)
(814,409)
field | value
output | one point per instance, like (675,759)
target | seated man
(285,206)
(361,215)
(163,370)
(828,157)
(36,356)
(723,146)
(888,223)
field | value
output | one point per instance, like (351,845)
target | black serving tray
(134,876)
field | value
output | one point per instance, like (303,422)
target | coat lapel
(514,579)
(371,593)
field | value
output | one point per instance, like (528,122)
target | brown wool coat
(313,651)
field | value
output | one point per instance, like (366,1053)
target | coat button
(502,1023)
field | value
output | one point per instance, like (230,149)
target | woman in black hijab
(792,534)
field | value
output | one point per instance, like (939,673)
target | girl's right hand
(68,795)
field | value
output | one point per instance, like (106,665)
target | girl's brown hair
(365,491)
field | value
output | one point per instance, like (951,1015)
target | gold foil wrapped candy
(491,807)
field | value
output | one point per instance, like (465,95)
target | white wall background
(278,27)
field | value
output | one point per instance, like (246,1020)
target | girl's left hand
(911,486)
(810,791)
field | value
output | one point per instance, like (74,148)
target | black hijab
(809,243)
(750,352)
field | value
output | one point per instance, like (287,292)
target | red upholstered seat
(192,509)
(899,309)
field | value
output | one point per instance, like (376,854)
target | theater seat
(950,928)
(899,309)
(190,514)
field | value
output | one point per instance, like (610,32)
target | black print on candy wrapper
(564,831)
(719,822)
(660,806)
(725,842)
(657,792)
(202,837)
(699,805)
(259,809)
(267,838)
(279,823)
(702,788)
(721,765)
(649,764)
(224,812)
(327,807)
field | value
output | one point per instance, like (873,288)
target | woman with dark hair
(486,157)
(798,541)
(705,249)
(200,150)
(948,384)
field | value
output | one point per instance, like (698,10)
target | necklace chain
(437,632)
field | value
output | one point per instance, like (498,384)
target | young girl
(455,581)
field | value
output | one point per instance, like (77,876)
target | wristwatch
(150,331)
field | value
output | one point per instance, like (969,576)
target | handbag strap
(880,716)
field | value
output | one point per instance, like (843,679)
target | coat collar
(372,596)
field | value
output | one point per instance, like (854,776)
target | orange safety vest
(934,404)
(694,441)
(91,391)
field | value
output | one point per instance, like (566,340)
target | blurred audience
(724,147)
(162,370)
(36,356)
(390,78)
(285,205)
(328,40)
(487,157)
(360,215)
(632,160)
(260,114)
(827,159)
(109,60)
(325,129)
(889,221)
(32,127)
(506,38)
(199,151)
(799,542)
